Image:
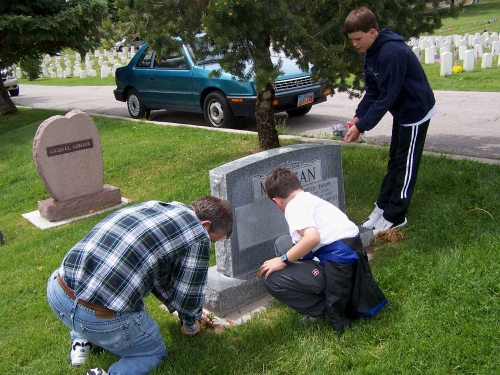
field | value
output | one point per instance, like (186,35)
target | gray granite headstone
(258,221)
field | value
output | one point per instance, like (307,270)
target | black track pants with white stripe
(405,152)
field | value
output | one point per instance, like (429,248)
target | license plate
(305,99)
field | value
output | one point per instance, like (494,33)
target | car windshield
(203,52)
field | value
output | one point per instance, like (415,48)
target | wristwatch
(284,258)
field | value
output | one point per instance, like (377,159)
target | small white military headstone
(469,60)
(478,50)
(461,52)
(430,54)
(446,63)
(487,60)
(443,50)
(495,48)
(416,51)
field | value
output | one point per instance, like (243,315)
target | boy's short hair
(281,182)
(360,19)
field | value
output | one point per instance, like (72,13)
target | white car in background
(9,80)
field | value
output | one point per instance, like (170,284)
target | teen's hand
(352,135)
(270,266)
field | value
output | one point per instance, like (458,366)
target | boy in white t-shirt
(315,268)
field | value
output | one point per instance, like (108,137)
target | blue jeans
(135,336)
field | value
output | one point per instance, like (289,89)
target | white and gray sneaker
(373,218)
(80,349)
(96,371)
(383,225)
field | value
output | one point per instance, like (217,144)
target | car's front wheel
(14,92)
(136,108)
(301,111)
(217,110)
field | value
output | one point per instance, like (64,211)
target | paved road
(467,123)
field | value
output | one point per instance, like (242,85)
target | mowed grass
(442,279)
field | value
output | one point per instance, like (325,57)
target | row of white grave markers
(52,67)
(478,43)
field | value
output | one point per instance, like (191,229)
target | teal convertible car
(181,82)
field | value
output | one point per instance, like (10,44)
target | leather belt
(100,311)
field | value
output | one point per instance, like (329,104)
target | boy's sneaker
(80,349)
(373,218)
(96,371)
(383,225)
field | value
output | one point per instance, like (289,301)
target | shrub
(31,68)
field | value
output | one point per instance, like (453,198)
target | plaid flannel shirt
(149,247)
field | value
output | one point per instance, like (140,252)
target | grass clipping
(388,236)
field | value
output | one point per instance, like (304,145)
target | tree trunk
(7,106)
(264,116)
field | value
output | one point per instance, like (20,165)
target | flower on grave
(457,69)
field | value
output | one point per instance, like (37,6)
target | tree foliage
(309,31)
(29,29)
(31,68)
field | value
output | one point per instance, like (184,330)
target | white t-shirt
(307,210)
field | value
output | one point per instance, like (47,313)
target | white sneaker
(80,349)
(373,218)
(96,371)
(383,225)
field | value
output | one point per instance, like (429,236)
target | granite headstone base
(226,294)
(52,210)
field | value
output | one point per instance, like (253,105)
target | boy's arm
(310,239)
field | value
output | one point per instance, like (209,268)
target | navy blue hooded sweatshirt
(395,82)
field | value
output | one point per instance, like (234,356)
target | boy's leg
(299,285)
(405,153)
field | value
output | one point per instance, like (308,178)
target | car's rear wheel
(14,92)
(217,110)
(301,111)
(136,108)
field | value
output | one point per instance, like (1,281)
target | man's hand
(188,332)
(271,265)
(184,329)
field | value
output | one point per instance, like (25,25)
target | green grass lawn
(442,280)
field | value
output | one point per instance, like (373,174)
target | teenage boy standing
(394,82)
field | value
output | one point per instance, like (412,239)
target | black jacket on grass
(351,291)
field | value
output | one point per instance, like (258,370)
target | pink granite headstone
(68,156)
